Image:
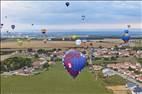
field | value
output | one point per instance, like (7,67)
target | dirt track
(118,89)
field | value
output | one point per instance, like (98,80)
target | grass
(114,80)
(54,81)
(139,60)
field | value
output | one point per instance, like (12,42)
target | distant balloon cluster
(43,30)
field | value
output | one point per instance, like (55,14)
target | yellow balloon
(19,42)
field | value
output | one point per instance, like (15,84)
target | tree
(36,56)
(41,51)
(46,65)
(113,58)
(116,47)
(106,59)
(15,63)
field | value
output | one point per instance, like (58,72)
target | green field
(54,81)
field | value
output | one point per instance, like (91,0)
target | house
(137,90)
(139,78)
(38,64)
(107,72)
(130,85)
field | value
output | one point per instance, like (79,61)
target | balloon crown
(126,31)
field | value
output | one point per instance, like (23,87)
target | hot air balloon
(126,31)
(13,27)
(7,31)
(74,37)
(129,26)
(19,42)
(43,31)
(6,17)
(74,62)
(83,17)
(1,25)
(67,4)
(78,42)
(126,37)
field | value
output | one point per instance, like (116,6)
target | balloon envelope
(43,31)
(75,36)
(1,25)
(83,17)
(129,26)
(6,17)
(74,62)
(126,37)
(78,42)
(67,4)
(126,31)
(13,27)
(19,42)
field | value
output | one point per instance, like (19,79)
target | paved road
(128,78)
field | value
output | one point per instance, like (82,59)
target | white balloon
(78,42)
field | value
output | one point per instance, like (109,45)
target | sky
(55,15)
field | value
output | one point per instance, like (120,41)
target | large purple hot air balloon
(74,62)
(13,27)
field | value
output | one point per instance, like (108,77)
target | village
(110,61)
(129,68)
